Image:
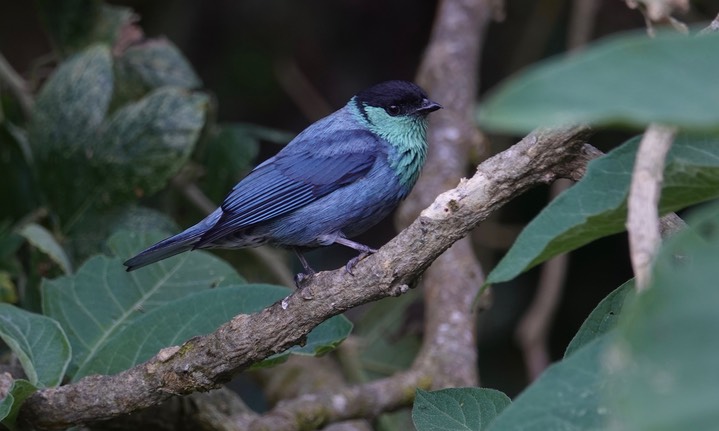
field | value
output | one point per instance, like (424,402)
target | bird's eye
(393,110)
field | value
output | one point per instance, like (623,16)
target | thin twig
(533,329)
(301,91)
(644,193)
(18,87)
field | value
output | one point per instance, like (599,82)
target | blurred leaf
(662,373)
(199,314)
(8,290)
(388,342)
(89,235)
(69,23)
(460,409)
(10,241)
(72,104)
(603,318)
(629,79)
(10,405)
(596,206)
(20,190)
(130,154)
(39,343)
(75,24)
(567,396)
(152,64)
(227,158)
(43,240)
(101,298)
(67,114)
(111,22)
(267,134)
(147,142)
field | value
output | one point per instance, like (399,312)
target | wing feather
(291,180)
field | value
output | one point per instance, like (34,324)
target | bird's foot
(302,278)
(355,260)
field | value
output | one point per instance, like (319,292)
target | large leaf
(90,233)
(567,396)
(663,372)
(152,64)
(66,118)
(457,409)
(38,342)
(146,142)
(226,158)
(596,206)
(629,79)
(113,160)
(43,240)
(101,298)
(15,164)
(198,314)
(69,23)
(603,318)
(10,405)
(74,24)
(72,104)
(387,343)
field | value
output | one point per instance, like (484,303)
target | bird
(333,181)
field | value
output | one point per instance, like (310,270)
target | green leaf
(8,290)
(628,79)
(88,236)
(43,240)
(199,314)
(15,164)
(152,64)
(227,157)
(69,23)
(457,409)
(10,405)
(596,206)
(145,143)
(74,24)
(386,345)
(39,343)
(567,396)
(663,369)
(101,298)
(72,104)
(65,123)
(603,318)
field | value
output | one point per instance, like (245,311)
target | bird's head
(394,104)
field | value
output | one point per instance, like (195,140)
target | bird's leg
(363,249)
(303,277)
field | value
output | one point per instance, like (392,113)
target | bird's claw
(355,260)
(302,278)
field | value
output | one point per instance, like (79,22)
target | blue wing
(293,179)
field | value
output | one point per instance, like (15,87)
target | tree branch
(644,192)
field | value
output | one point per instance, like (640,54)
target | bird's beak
(427,107)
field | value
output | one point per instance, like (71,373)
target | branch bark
(644,192)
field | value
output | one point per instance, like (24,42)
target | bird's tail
(173,245)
